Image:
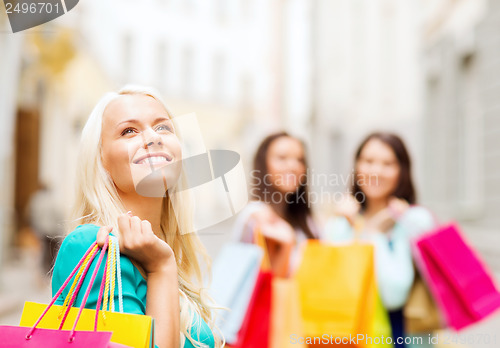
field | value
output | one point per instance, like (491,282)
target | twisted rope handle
(30,332)
(118,274)
(89,287)
(79,285)
(107,277)
(101,292)
(75,282)
(113,276)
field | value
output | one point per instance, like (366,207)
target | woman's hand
(349,208)
(274,227)
(397,207)
(138,241)
(385,219)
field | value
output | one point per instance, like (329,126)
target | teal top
(134,286)
(393,256)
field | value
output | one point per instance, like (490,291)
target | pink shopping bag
(459,281)
(16,336)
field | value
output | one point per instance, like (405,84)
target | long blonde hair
(98,202)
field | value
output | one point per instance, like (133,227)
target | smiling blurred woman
(129,136)
(280,209)
(379,208)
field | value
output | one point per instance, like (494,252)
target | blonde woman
(127,135)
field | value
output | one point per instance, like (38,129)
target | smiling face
(285,164)
(378,170)
(139,145)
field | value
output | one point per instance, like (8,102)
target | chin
(286,190)
(376,193)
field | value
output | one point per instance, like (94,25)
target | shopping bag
(134,330)
(286,322)
(380,327)
(34,336)
(337,291)
(234,276)
(460,282)
(128,329)
(421,314)
(16,337)
(254,332)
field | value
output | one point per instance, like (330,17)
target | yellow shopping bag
(129,329)
(286,321)
(132,330)
(380,328)
(337,293)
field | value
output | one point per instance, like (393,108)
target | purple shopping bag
(459,281)
(16,336)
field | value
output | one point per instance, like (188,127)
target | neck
(373,206)
(146,208)
(279,207)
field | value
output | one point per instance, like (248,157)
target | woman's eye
(164,127)
(128,131)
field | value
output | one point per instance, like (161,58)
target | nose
(150,140)
(295,165)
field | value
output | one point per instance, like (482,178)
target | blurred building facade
(366,78)
(49,83)
(217,58)
(462,118)
(10,64)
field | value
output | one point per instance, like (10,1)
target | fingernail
(129,213)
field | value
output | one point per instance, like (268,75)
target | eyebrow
(133,120)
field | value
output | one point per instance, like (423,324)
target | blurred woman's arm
(393,255)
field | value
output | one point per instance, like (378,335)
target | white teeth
(154,159)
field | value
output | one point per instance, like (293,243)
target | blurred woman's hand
(348,207)
(397,207)
(138,241)
(274,227)
(385,219)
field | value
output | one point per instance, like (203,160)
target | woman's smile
(156,158)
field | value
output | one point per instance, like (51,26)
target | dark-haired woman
(280,207)
(379,209)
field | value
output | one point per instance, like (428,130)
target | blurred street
(21,281)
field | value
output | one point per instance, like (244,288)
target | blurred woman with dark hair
(280,207)
(379,208)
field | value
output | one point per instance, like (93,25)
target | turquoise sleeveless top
(134,286)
